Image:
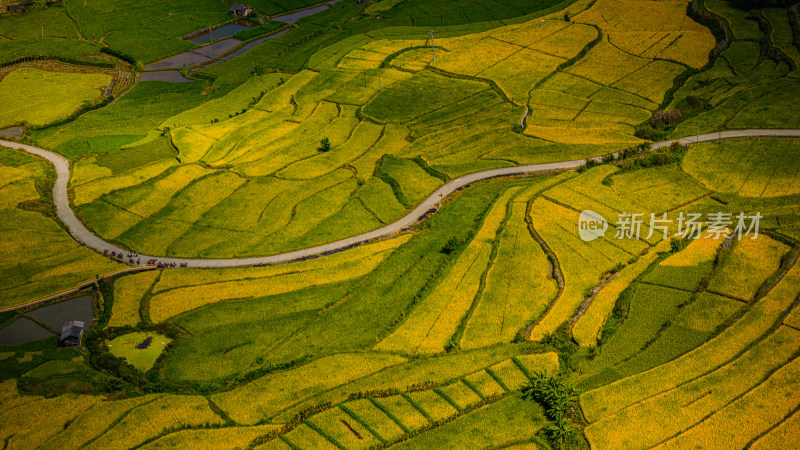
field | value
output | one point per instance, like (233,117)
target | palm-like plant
(559,401)
(560,431)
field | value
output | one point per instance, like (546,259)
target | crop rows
(176,300)
(748,329)
(747,167)
(84,420)
(386,418)
(433,322)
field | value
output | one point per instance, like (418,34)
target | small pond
(53,316)
(57,314)
(247,47)
(196,56)
(210,54)
(295,16)
(221,32)
(11,133)
(23,330)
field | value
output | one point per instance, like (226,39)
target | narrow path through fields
(524,116)
(429,205)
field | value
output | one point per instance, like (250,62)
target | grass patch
(140,349)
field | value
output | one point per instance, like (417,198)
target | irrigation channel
(220,50)
(86,237)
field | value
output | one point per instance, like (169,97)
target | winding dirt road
(85,237)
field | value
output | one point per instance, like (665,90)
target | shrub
(666,117)
(677,244)
(324,145)
(649,133)
(658,159)
(118,54)
(113,385)
(589,164)
(693,103)
(451,246)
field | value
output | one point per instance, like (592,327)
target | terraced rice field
(421,339)
(270,146)
(437,318)
(89,414)
(38,97)
(747,167)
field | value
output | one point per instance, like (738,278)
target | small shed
(240,10)
(15,8)
(71,334)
